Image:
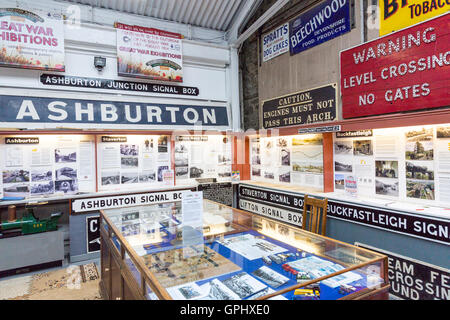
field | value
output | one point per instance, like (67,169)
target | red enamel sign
(406,70)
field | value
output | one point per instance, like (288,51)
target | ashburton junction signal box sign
(304,107)
(407,70)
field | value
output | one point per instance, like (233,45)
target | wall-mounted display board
(404,71)
(31,39)
(294,160)
(398,14)
(46,165)
(410,163)
(127,162)
(202,156)
(149,53)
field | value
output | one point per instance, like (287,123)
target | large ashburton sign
(399,14)
(95,204)
(412,279)
(304,107)
(78,113)
(326,21)
(275,42)
(433,229)
(149,53)
(407,70)
(31,39)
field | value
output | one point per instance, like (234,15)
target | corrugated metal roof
(211,14)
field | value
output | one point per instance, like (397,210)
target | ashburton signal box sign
(304,107)
(404,71)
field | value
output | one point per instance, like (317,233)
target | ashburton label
(304,107)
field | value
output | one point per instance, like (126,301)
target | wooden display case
(144,256)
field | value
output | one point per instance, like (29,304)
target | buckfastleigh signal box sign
(304,107)
(407,70)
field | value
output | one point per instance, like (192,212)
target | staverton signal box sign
(407,70)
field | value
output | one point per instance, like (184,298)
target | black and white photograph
(147,176)
(362,148)
(269,175)
(269,276)
(223,159)
(181,148)
(386,169)
(163,144)
(148,145)
(343,147)
(195,173)
(285,157)
(282,142)
(244,285)
(18,175)
(131,229)
(66,186)
(419,170)
(66,173)
(256,148)
(386,187)
(420,189)
(224,172)
(284,175)
(218,291)
(181,159)
(16,190)
(256,159)
(65,155)
(129,150)
(130,216)
(129,162)
(129,177)
(161,170)
(38,174)
(182,172)
(186,291)
(343,166)
(42,188)
(256,171)
(110,178)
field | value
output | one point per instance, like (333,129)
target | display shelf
(240,257)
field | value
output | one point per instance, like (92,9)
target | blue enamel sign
(324,22)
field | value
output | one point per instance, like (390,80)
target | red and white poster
(33,40)
(406,70)
(149,53)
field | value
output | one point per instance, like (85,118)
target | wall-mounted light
(99,63)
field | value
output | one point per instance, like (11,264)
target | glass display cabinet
(147,253)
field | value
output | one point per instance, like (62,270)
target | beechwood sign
(37,112)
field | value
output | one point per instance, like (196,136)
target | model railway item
(28,224)
(267,260)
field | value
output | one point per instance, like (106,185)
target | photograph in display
(307,140)
(224,159)
(130,229)
(256,171)
(387,187)
(218,291)
(244,285)
(17,175)
(420,170)
(182,172)
(195,172)
(43,188)
(65,155)
(339,181)
(129,150)
(161,170)
(443,132)
(308,167)
(343,165)
(256,159)
(250,247)
(147,176)
(148,145)
(129,162)
(16,190)
(41,174)
(129,177)
(343,147)
(224,172)
(282,142)
(269,276)
(181,148)
(362,148)
(181,159)
(419,144)
(187,291)
(66,186)
(285,157)
(110,178)
(420,189)
(284,175)
(163,144)
(386,169)
(269,175)
(66,173)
